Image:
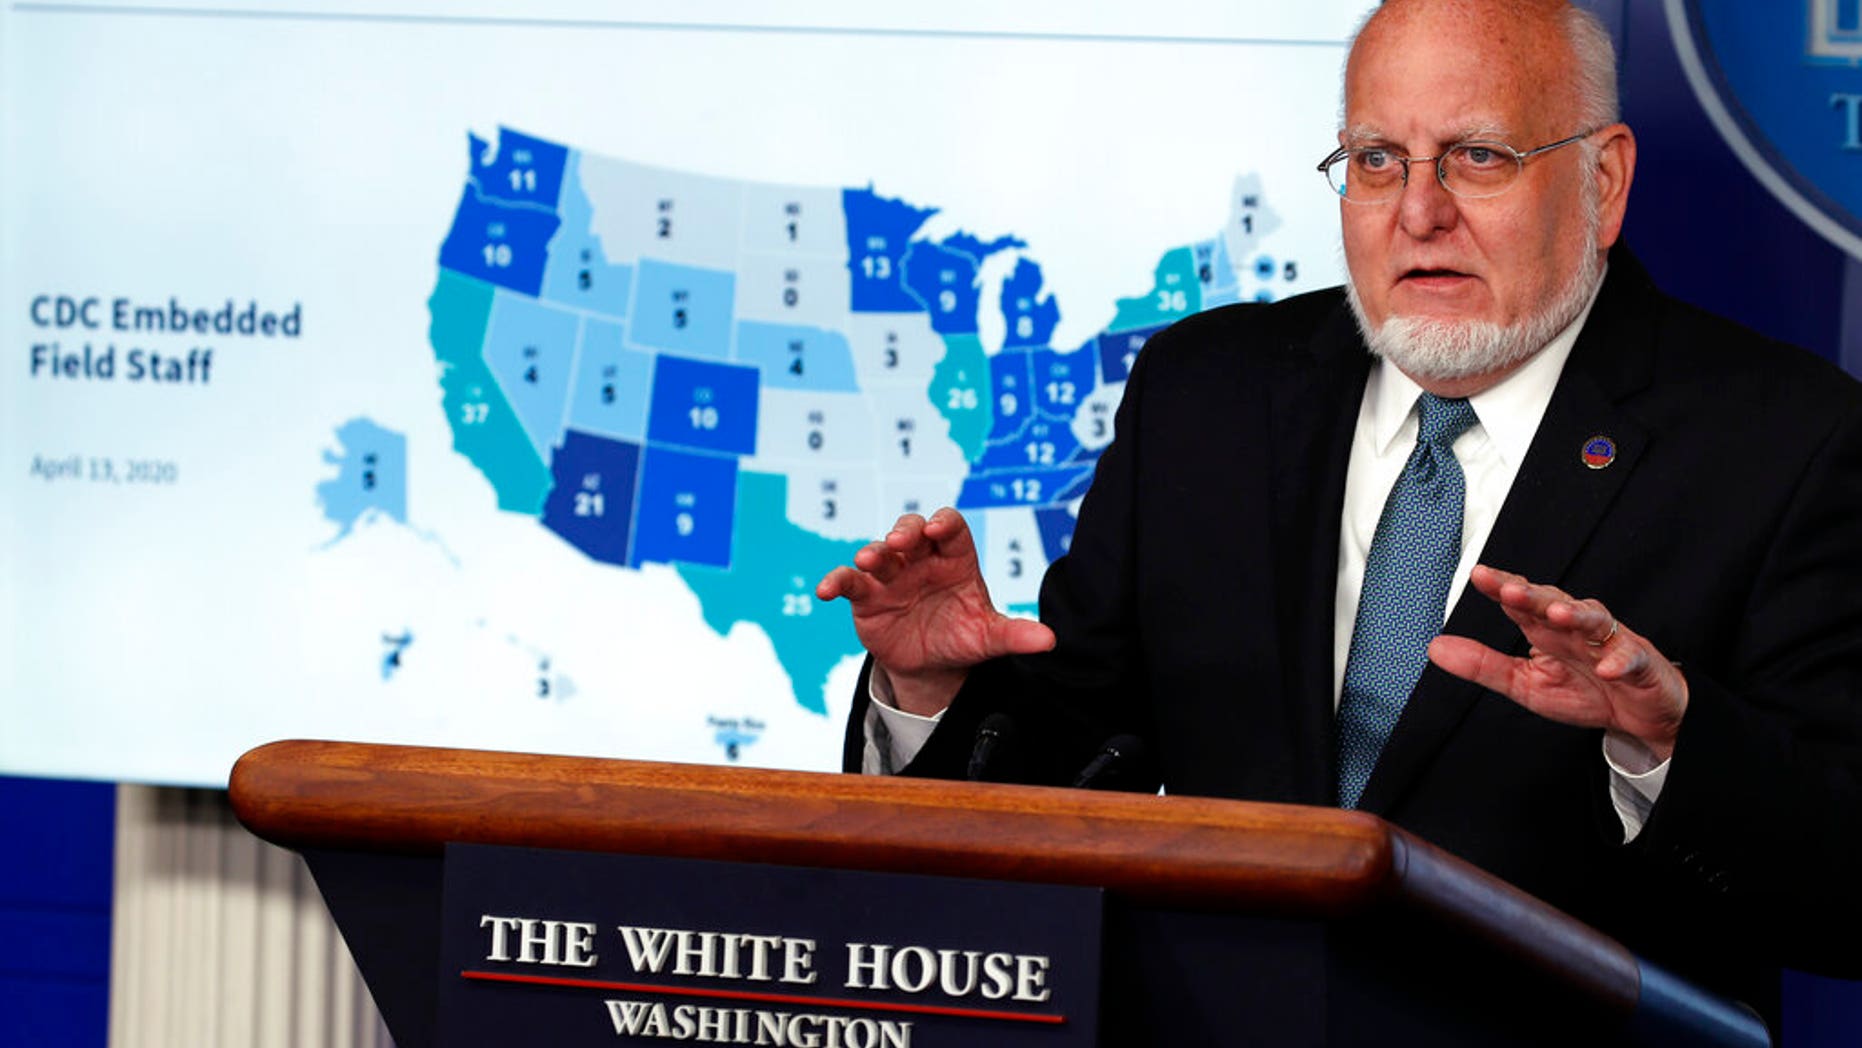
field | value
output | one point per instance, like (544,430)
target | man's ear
(1616,169)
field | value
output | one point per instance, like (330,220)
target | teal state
(960,391)
(771,583)
(485,427)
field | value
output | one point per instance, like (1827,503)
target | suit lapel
(1550,514)
(1312,409)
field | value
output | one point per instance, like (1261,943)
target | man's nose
(1425,206)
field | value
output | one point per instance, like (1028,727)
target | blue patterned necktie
(1406,575)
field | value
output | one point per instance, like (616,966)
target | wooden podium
(1225,922)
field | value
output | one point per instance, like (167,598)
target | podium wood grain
(1185,852)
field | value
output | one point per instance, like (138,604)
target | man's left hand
(1585,668)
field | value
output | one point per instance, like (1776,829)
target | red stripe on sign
(770,998)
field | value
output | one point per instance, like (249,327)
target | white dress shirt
(1490,453)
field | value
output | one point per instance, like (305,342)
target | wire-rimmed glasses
(1472,170)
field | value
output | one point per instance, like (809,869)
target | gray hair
(1598,104)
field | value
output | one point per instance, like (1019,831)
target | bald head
(1563,43)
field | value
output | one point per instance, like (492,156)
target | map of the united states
(747,381)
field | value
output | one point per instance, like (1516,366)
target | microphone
(1119,755)
(994,731)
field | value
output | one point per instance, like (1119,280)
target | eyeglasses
(1471,170)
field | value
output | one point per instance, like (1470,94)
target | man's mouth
(1432,282)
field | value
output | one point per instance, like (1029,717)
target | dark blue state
(978,248)
(520,169)
(879,231)
(1031,318)
(944,281)
(1062,381)
(1056,527)
(1023,487)
(1118,351)
(1011,382)
(502,245)
(703,404)
(1042,442)
(688,506)
(591,505)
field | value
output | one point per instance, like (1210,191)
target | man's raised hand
(1585,668)
(922,610)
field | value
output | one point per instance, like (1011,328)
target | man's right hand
(922,610)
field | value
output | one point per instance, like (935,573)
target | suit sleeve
(1760,822)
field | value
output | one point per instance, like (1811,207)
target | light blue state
(613,384)
(1216,273)
(684,309)
(530,348)
(793,357)
(578,273)
(371,475)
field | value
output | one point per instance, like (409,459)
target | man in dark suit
(1667,509)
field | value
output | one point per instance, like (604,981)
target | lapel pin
(1599,451)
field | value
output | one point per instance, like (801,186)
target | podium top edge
(411,799)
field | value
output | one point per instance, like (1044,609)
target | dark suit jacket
(1195,609)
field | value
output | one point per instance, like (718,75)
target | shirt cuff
(893,736)
(1636,780)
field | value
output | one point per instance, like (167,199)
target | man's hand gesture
(922,610)
(1585,668)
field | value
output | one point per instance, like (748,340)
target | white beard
(1431,349)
